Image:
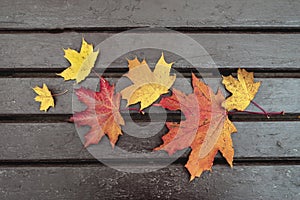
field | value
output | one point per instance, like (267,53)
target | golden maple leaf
(243,90)
(44,96)
(81,62)
(147,85)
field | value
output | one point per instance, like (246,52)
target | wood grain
(46,160)
(59,141)
(99,182)
(45,51)
(81,14)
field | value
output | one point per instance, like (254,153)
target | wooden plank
(44,50)
(112,14)
(46,141)
(17,97)
(96,182)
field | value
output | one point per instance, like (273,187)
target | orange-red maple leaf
(102,113)
(206,129)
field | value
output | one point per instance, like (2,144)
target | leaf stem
(257,113)
(94,71)
(259,107)
(61,93)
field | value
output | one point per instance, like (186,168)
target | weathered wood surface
(78,14)
(99,182)
(43,160)
(44,50)
(17,97)
(46,141)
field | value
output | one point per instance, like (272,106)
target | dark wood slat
(113,14)
(53,141)
(17,97)
(44,50)
(241,182)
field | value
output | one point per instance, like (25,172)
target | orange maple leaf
(102,113)
(206,129)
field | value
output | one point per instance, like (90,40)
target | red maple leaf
(206,129)
(102,113)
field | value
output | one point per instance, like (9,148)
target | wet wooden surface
(115,14)
(41,154)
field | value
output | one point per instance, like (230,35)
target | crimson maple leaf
(102,113)
(206,129)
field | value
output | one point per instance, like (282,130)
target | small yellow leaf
(147,85)
(81,62)
(243,90)
(44,96)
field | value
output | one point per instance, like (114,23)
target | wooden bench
(42,156)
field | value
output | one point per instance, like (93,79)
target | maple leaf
(147,85)
(81,62)
(44,96)
(102,113)
(206,129)
(243,90)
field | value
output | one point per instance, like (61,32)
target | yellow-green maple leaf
(147,85)
(243,90)
(44,96)
(81,62)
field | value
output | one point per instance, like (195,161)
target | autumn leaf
(243,90)
(44,96)
(206,129)
(102,113)
(81,62)
(147,85)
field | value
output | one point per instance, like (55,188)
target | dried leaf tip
(163,62)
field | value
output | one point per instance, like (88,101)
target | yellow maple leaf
(81,62)
(243,90)
(44,96)
(147,85)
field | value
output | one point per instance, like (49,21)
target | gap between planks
(172,116)
(183,29)
(116,72)
(251,161)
